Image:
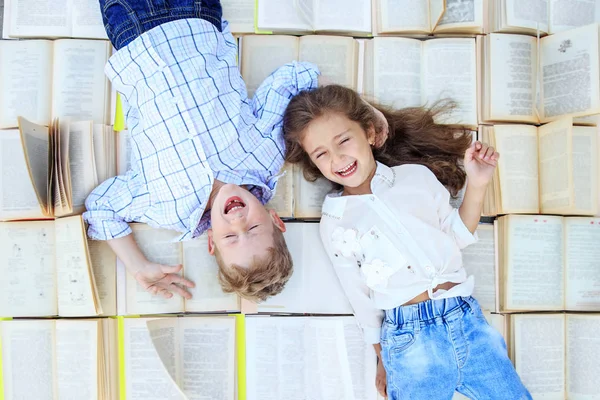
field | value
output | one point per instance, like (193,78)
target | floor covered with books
(76,324)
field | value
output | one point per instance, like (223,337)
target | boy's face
(242,227)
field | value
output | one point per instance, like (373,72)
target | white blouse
(392,245)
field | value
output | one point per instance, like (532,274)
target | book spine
(1,370)
(240,341)
(121,355)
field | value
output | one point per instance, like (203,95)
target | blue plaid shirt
(191,122)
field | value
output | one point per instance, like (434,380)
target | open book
(191,358)
(342,16)
(59,359)
(547,16)
(49,171)
(548,263)
(295,197)
(404,72)
(479,259)
(240,15)
(336,57)
(49,18)
(552,169)
(556,355)
(430,16)
(526,81)
(42,80)
(47,270)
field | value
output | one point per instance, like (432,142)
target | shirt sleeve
(111,206)
(368,316)
(450,221)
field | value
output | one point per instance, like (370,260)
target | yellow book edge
(119,122)
(256,30)
(1,371)
(121,354)
(240,341)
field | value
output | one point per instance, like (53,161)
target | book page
(518,167)
(462,14)
(202,269)
(513,64)
(147,377)
(284,15)
(582,236)
(570,77)
(76,291)
(39,18)
(343,16)
(335,56)
(362,360)
(569,14)
(240,14)
(26,81)
(28,356)
(532,14)
(87,20)
(556,166)
(164,334)
(100,152)
(262,55)
(28,286)
(449,71)
(397,80)
(283,200)
(403,16)
(539,346)
(535,263)
(36,143)
(18,198)
(208,357)
(309,196)
(104,264)
(479,260)
(81,163)
(158,246)
(583,347)
(80,87)
(585,169)
(77,359)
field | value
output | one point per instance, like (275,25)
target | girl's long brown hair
(414,137)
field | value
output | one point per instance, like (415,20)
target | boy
(202,153)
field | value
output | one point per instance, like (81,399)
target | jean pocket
(400,342)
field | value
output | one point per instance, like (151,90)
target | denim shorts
(125,20)
(434,348)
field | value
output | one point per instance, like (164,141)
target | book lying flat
(59,359)
(240,15)
(51,269)
(479,260)
(42,80)
(525,79)
(552,169)
(548,263)
(556,355)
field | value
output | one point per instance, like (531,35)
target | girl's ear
(381,130)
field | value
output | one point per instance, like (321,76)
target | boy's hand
(163,280)
(480,163)
(380,379)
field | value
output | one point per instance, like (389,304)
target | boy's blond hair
(266,276)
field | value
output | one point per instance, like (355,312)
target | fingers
(180,280)
(158,291)
(483,152)
(180,291)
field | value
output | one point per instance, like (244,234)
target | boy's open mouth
(347,170)
(233,204)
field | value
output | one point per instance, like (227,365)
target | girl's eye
(319,155)
(344,140)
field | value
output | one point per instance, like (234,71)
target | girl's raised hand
(480,163)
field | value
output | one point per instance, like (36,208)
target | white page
(81,162)
(80,87)
(100,154)
(239,14)
(555,163)
(585,169)
(28,359)
(104,265)
(462,13)
(87,20)
(582,364)
(26,81)
(77,359)
(146,376)
(540,354)
(479,260)
(362,360)
(202,269)
(569,14)
(283,15)
(282,202)
(449,71)
(582,237)
(397,80)
(336,58)
(309,196)
(343,15)
(39,18)
(531,14)
(403,15)
(28,288)
(535,265)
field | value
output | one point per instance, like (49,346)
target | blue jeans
(433,348)
(125,20)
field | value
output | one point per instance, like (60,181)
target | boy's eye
(229,236)
(255,226)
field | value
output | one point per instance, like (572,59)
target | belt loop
(197,7)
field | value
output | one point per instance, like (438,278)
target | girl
(395,240)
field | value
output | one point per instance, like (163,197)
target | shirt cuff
(371,335)
(105,225)
(462,234)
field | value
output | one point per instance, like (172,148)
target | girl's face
(341,150)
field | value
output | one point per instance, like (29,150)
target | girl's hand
(480,163)
(380,379)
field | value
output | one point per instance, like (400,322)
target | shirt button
(428,268)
